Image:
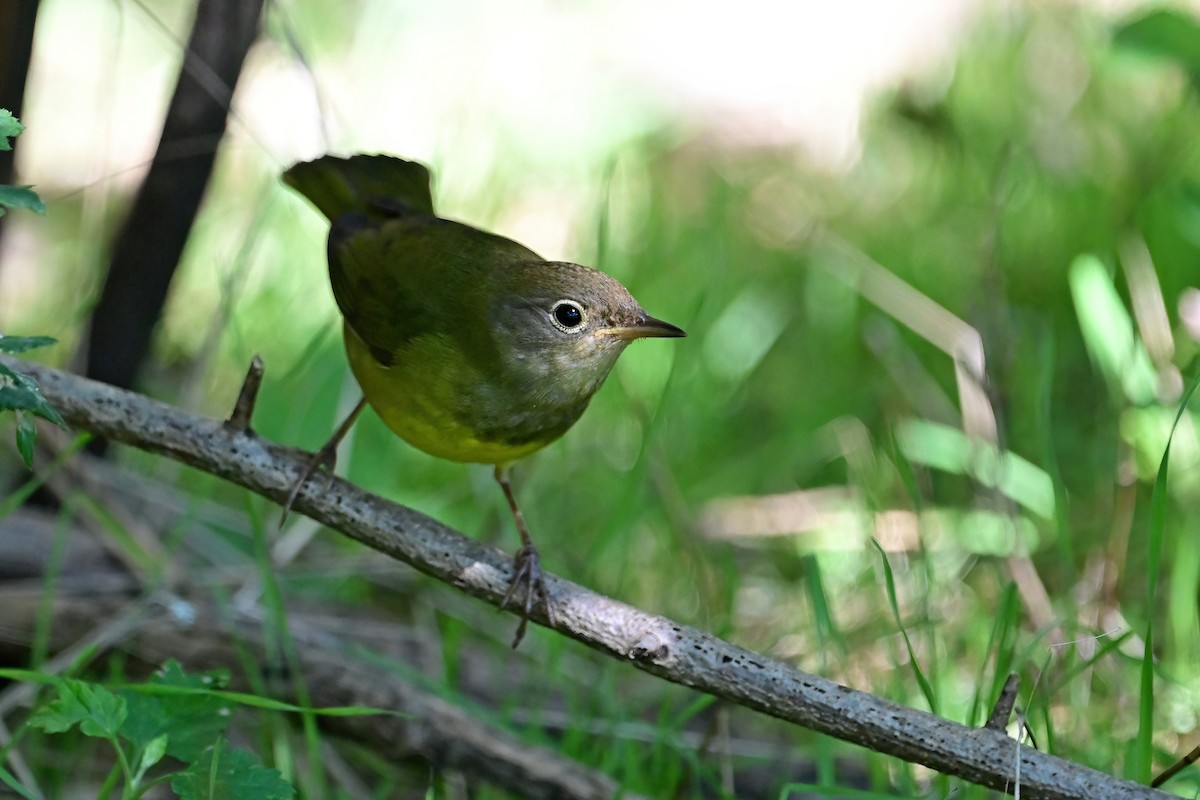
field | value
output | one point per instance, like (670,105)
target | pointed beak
(645,327)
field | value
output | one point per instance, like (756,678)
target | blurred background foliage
(1031,185)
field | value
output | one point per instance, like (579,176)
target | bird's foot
(325,458)
(527,577)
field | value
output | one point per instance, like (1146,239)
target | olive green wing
(397,270)
(417,275)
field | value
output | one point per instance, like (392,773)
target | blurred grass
(1045,146)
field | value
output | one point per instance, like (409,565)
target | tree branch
(654,644)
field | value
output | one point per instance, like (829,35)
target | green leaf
(943,447)
(918,673)
(26,438)
(15,196)
(97,711)
(1108,331)
(1173,35)
(192,721)
(154,752)
(19,344)
(21,197)
(18,395)
(10,128)
(1143,743)
(19,392)
(223,771)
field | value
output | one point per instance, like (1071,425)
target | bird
(468,345)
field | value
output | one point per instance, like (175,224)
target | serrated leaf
(26,438)
(10,128)
(20,344)
(106,711)
(223,771)
(55,717)
(97,711)
(21,197)
(1169,34)
(192,721)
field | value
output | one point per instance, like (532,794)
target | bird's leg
(325,457)
(527,567)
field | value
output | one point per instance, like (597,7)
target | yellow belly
(414,398)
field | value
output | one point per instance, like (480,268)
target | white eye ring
(568,316)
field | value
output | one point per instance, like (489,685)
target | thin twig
(998,720)
(243,409)
(651,643)
(1176,768)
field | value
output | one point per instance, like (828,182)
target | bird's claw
(527,575)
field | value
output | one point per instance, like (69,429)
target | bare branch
(655,644)
(243,409)
(998,719)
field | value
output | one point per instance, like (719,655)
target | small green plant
(18,392)
(173,714)
(15,196)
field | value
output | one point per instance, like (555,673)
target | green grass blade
(922,681)
(1001,638)
(10,780)
(1143,752)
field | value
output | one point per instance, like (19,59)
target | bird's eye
(567,315)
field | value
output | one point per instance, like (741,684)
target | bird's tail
(377,186)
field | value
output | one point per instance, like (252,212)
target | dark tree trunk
(153,237)
(16,45)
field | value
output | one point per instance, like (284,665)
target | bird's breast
(435,399)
